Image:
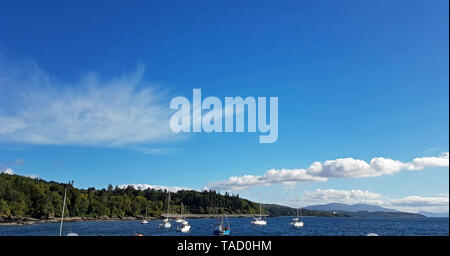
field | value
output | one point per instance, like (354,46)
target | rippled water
(277,226)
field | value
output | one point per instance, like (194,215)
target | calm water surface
(277,226)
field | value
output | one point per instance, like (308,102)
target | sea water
(276,226)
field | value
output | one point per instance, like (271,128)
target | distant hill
(397,214)
(281,210)
(434,214)
(338,207)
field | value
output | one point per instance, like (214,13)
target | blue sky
(355,79)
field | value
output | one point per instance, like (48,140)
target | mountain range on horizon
(340,207)
(435,214)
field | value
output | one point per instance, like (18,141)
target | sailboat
(184,227)
(296,222)
(145,221)
(166,222)
(259,220)
(180,219)
(62,217)
(220,228)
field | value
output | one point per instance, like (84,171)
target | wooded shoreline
(33,221)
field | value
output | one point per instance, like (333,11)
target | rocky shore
(32,221)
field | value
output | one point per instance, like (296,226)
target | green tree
(5,211)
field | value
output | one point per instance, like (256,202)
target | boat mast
(62,215)
(168,205)
(182,211)
(260,211)
(297,199)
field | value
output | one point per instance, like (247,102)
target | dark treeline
(25,197)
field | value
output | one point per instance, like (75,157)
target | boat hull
(298,224)
(185,228)
(221,233)
(259,222)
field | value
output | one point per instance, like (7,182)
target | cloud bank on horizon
(339,168)
(438,203)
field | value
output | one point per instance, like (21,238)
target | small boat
(145,221)
(259,220)
(220,228)
(62,217)
(184,227)
(166,222)
(296,222)
(180,219)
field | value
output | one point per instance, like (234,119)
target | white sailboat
(184,227)
(296,222)
(145,221)
(62,217)
(259,220)
(180,219)
(166,222)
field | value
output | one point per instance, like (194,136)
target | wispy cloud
(342,196)
(36,108)
(33,176)
(16,162)
(339,168)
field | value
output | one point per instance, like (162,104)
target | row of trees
(25,197)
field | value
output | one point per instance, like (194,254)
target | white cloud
(11,172)
(339,168)
(8,171)
(33,176)
(283,176)
(417,201)
(116,112)
(433,161)
(343,196)
(156,187)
